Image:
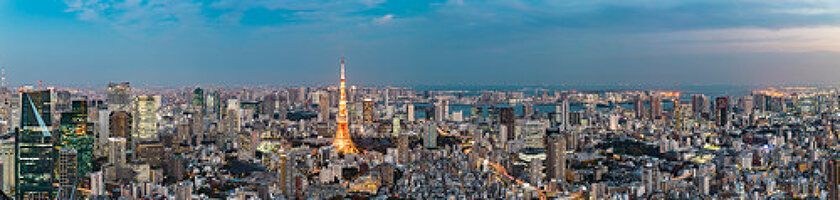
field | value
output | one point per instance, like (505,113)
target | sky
(427,42)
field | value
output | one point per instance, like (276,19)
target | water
(711,91)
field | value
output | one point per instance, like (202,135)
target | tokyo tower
(342,139)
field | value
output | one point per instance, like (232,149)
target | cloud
(137,17)
(384,19)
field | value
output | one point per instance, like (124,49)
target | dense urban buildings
(211,142)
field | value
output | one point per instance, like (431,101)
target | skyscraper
(639,106)
(833,178)
(555,144)
(441,110)
(507,119)
(77,135)
(119,96)
(367,111)
(655,106)
(410,112)
(565,115)
(120,124)
(324,107)
(144,124)
(342,140)
(67,172)
(430,137)
(198,99)
(34,148)
(722,111)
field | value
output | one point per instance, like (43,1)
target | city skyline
(408,43)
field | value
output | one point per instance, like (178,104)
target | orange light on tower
(342,140)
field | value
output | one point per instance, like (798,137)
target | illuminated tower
(342,135)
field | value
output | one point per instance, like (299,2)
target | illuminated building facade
(342,140)
(144,124)
(198,99)
(367,110)
(119,96)
(77,134)
(34,150)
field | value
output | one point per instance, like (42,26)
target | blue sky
(409,42)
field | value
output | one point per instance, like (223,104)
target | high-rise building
(343,141)
(67,172)
(198,99)
(555,144)
(430,137)
(213,103)
(120,124)
(655,106)
(410,112)
(507,119)
(367,110)
(639,106)
(564,118)
(403,148)
(144,124)
(7,157)
(324,108)
(722,111)
(119,96)
(34,152)
(441,110)
(833,178)
(77,134)
(395,127)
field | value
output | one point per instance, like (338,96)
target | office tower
(301,95)
(67,172)
(7,157)
(402,147)
(198,99)
(367,111)
(395,127)
(760,101)
(77,134)
(34,152)
(213,103)
(833,178)
(507,119)
(535,170)
(555,144)
(120,124)
(342,140)
(722,111)
(430,138)
(639,106)
(144,124)
(745,105)
(441,110)
(97,183)
(564,118)
(324,108)
(117,148)
(655,106)
(410,112)
(119,96)
(269,104)
(286,175)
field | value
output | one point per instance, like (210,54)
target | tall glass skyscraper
(77,134)
(34,150)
